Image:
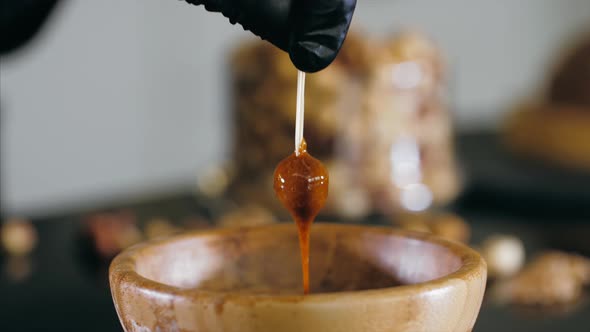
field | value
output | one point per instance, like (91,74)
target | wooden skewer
(300,109)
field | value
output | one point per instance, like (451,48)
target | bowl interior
(266,260)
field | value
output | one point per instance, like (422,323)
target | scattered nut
(504,255)
(18,237)
(551,278)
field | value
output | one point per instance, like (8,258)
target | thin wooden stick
(300,109)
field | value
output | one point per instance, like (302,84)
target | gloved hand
(20,20)
(311,31)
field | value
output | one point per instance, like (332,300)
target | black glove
(20,20)
(311,31)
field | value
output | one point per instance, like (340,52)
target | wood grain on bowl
(249,279)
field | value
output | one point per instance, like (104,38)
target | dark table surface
(66,291)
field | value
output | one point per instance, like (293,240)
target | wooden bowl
(249,280)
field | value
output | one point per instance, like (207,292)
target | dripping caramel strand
(301,184)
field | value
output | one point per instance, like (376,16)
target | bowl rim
(473,266)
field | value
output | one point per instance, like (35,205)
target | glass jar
(377,117)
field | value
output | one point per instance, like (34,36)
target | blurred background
(143,118)
(116,99)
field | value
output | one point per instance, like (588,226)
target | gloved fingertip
(320,27)
(310,56)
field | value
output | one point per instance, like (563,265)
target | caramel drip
(301,184)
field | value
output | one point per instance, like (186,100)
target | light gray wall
(124,97)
